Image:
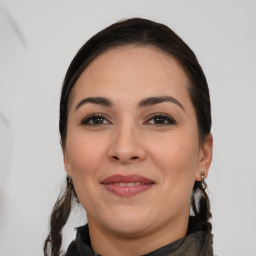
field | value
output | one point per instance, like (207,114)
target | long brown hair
(135,31)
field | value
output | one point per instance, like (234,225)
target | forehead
(132,71)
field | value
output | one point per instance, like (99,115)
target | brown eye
(95,120)
(161,119)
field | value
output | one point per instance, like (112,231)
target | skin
(129,140)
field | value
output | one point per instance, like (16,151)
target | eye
(95,120)
(161,119)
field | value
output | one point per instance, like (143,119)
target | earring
(70,182)
(203,184)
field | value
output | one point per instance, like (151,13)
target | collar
(197,242)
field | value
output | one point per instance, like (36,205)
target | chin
(129,223)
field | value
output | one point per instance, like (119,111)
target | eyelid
(88,118)
(168,117)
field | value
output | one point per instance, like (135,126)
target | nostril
(132,158)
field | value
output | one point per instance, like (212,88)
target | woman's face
(132,146)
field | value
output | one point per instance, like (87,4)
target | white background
(33,65)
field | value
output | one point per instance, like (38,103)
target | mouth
(128,185)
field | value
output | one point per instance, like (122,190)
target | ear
(66,161)
(205,157)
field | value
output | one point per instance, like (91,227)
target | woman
(135,121)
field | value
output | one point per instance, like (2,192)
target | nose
(126,146)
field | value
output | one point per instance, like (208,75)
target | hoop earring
(203,184)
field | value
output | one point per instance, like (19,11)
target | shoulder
(82,244)
(72,250)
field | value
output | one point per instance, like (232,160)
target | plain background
(38,39)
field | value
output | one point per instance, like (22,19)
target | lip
(127,185)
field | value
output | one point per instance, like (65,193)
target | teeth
(130,184)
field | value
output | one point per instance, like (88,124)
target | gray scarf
(198,242)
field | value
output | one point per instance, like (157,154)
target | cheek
(177,158)
(177,162)
(85,157)
(83,152)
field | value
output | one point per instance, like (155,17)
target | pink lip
(112,184)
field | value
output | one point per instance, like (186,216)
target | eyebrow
(143,103)
(95,100)
(156,100)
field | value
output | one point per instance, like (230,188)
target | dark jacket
(198,242)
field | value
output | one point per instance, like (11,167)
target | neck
(108,243)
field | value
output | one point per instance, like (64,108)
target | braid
(59,217)
(204,212)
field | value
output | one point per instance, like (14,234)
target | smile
(126,186)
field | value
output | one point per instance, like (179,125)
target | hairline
(87,62)
(119,45)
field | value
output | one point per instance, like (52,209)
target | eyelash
(95,116)
(170,120)
(92,117)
